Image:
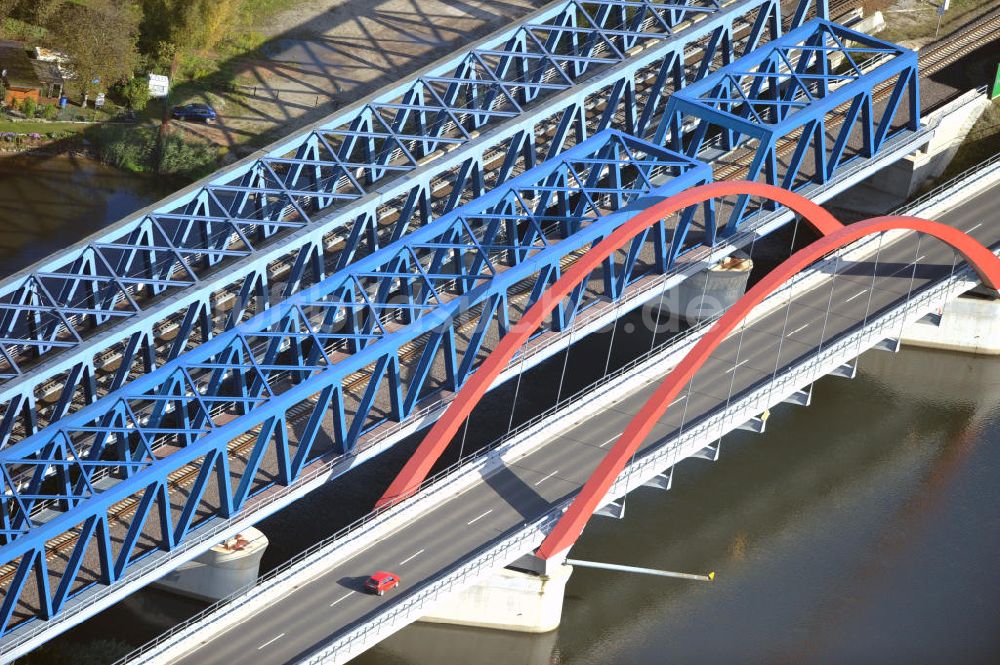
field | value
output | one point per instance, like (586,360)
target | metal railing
(955,183)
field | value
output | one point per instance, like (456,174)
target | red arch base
(835,236)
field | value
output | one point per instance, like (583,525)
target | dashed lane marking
(411,557)
(270,641)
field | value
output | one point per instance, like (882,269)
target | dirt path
(324,54)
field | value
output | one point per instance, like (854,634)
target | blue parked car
(194,112)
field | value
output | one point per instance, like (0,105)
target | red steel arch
(571,525)
(835,236)
(436,441)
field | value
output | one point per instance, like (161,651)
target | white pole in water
(641,571)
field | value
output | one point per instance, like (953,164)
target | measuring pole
(640,571)
(942,8)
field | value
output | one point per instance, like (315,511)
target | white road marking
(682,397)
(909,266)
(273,639)
(798,330)
(974,227)
(546,477)
(344,597)
(739,364)
(609,440)
(856,295)
(411,557)
(476,519)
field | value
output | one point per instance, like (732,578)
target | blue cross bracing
(88,320)
(815,87)
(389,329)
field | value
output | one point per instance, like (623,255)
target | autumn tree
(43,10)
(7,8)
(186,24)
(100,40)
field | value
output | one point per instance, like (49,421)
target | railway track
(978,33)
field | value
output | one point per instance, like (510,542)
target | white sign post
(158,85)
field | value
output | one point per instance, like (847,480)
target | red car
(381,582)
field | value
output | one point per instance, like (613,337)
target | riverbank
(135,148)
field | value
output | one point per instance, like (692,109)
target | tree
(100,39)
(7,8)
(43,10)
(194,24)
(136,93)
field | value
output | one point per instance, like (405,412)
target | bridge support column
(969,323)
(710,292)
(525,600)
(221,570)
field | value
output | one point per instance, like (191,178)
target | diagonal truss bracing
(304,379)
(815,88)
(90,319)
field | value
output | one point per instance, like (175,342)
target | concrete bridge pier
(525,597)
(970,323)
(221,571)
(705,294)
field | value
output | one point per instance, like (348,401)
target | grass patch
(28,127)
(922,21)
(134,149)
(253,12)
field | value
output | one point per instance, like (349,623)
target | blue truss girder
(307,352)
(813,88)
(221,224)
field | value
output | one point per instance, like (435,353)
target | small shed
(26,77)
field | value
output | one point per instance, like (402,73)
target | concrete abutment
(512,599)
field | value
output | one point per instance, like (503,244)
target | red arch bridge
(851,290)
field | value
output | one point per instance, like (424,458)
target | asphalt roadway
(315,613)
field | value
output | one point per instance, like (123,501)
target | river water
(47,203)
(863,529)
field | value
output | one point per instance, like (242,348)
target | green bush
(192,66)
(49,111)
(188,159)
(136,93)
(126,148)
(134,149)
(28,107)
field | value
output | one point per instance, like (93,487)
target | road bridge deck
(531,485)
